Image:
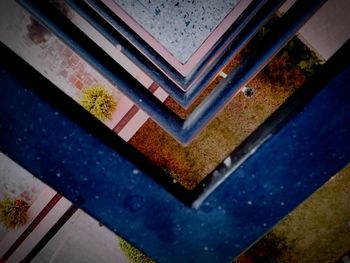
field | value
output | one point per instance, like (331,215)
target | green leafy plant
(302,56)
(99,102)
(13,212)
(291,66)
(309,64)
(134,255)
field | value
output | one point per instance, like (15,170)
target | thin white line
(196,204)
(223,74)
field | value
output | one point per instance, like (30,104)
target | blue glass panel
(101,174)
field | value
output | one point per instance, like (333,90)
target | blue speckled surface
(182,130)
(297,160)
(180,26)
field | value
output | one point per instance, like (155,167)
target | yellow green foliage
(134,255)
(99,102)
(13,212)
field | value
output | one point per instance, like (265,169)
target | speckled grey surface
(180,26)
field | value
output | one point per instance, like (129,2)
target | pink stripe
(31,227)
(48,221)
(127,117)
(132,112)
(42,200)
(187,67)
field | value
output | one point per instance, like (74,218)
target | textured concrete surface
(58,63)
(17,182)
(248,203)
(180,26)
(74,81)
(82,239)
(48,55)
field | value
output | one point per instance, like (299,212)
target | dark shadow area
(58,99)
